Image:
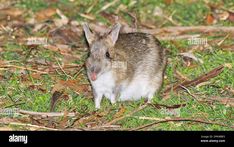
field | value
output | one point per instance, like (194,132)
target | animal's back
(141,52)
(144,60)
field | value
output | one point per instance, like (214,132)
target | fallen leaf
(13,12)
(228,65)
(223,15)
(231,16)
(55,97)
(45,14)
(229,89)
(72,84)
(120,112)
(210,19)
(67,35)
(65,50)
(36,87)
(223,100)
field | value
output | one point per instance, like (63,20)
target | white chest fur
(104,84)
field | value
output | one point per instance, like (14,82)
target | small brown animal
(124,66)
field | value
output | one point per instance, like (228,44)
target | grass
(15,88)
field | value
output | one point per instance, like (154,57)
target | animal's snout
(94,72)
(93,76)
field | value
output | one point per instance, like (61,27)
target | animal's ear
(114,33)
(88,33)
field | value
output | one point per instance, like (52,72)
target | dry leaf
(225,101)
(210,19)
(55,97)
(120,112)
(223,16)
(229,89)
(14,12)
(72,84)
(231,16)
(45,14)
(37,87)
(228,65)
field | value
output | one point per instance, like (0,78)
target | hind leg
(156,85)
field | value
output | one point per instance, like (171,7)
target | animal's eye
(107,55)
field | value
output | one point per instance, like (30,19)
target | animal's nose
(93,76)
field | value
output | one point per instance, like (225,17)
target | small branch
(170,30)
(62,69)
(42,114)
(24,68)
(178,120)
(205,77)
(27,125)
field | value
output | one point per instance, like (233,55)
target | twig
(223,40)
(43,114)
(178,120)
(27,125)
(62,69)
(87,16)
(181,76)
(78,71)
(205,77)
(107,6)
(128,115)
(24,68)
(170,30)
(171,19)
(189,92)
